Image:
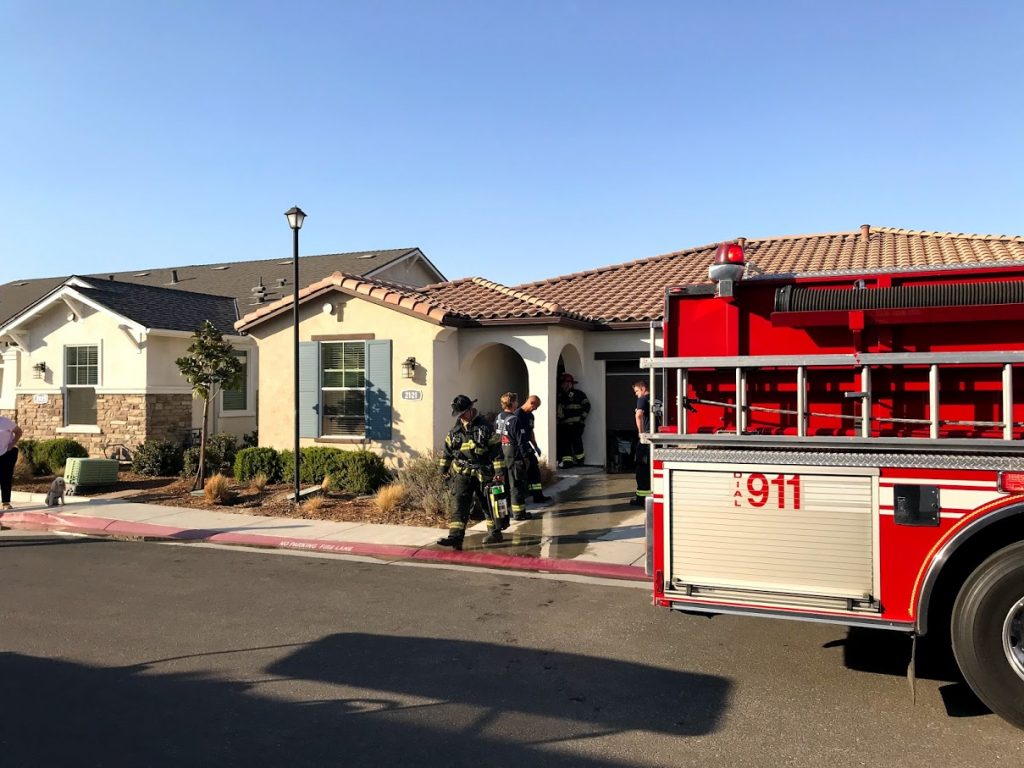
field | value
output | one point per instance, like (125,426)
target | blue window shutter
(309,389)
(378,390)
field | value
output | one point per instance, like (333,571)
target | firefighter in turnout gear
(573,409)
(472,458)
(515,448)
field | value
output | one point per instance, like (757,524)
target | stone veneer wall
(39,421)
(126,419)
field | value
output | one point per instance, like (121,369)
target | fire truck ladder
(862,364)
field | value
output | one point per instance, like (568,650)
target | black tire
(986,600)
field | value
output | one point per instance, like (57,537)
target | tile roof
(470,301)
(634,291)
(234,278)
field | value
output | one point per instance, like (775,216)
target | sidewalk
(589,530)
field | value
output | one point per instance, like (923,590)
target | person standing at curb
(10,434)
(642,415)
(515,450)
(573,409)
(472,455)
(525,419)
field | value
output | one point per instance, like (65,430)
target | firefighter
(573,409)
(642,416)
(524,418)
(472,458)
(515,450)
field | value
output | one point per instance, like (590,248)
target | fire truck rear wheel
(988,632)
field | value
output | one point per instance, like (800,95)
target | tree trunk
(201,471)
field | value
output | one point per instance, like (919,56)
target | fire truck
(847,448)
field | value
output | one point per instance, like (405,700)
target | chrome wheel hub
(1013,638)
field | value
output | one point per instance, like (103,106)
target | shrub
(426,486)
(317,463)
(251,462)
(390,497)
(190,461)
(226,446)
(27,453)
(23,469)
(50,456)
(259,482)
(312,505)
(157,458)
(364,472)
(217,490)
(330,484)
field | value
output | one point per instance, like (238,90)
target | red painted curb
(45,521)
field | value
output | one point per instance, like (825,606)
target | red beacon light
(729,263)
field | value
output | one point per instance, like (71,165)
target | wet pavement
(588,528)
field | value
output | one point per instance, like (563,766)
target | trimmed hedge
(356,472)
(364,472)
(250,462)
(158,458)
(50,456)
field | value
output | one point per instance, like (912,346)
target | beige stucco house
(479,338)
(93,358)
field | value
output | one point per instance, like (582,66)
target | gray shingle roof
(229,278)
(163,308)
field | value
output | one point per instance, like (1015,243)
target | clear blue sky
(512,140)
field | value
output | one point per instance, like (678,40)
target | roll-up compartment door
(774,529)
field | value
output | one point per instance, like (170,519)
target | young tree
(210,362)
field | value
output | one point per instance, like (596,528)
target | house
(381,362)
(93,357)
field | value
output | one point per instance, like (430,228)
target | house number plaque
(41,399)
(412,394)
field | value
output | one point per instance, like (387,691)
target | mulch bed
(273,502)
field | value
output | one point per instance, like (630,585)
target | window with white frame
(81,376)
(237,398)
(343,388)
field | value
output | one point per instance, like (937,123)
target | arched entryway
(493,371)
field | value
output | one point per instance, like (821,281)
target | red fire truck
(848,448)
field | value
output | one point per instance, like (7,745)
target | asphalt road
(115,653)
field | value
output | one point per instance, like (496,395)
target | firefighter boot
(451,541)
(494,537)
(519,516)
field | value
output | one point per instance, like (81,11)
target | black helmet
(460,404)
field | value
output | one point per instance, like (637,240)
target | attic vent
(284,263)
(141,274)
(218,269)
(21,283)
(174,277)
(282,281)
(259,292)
(367,256)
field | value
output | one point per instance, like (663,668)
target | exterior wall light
(408,367)
(38,370)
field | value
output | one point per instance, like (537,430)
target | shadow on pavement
(884,652)
(7,542)
(64,713)
(550,684)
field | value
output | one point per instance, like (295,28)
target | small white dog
(55,495)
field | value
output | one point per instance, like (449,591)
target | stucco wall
(412,271)
(413,421)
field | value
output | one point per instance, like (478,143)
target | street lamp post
(295,219)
